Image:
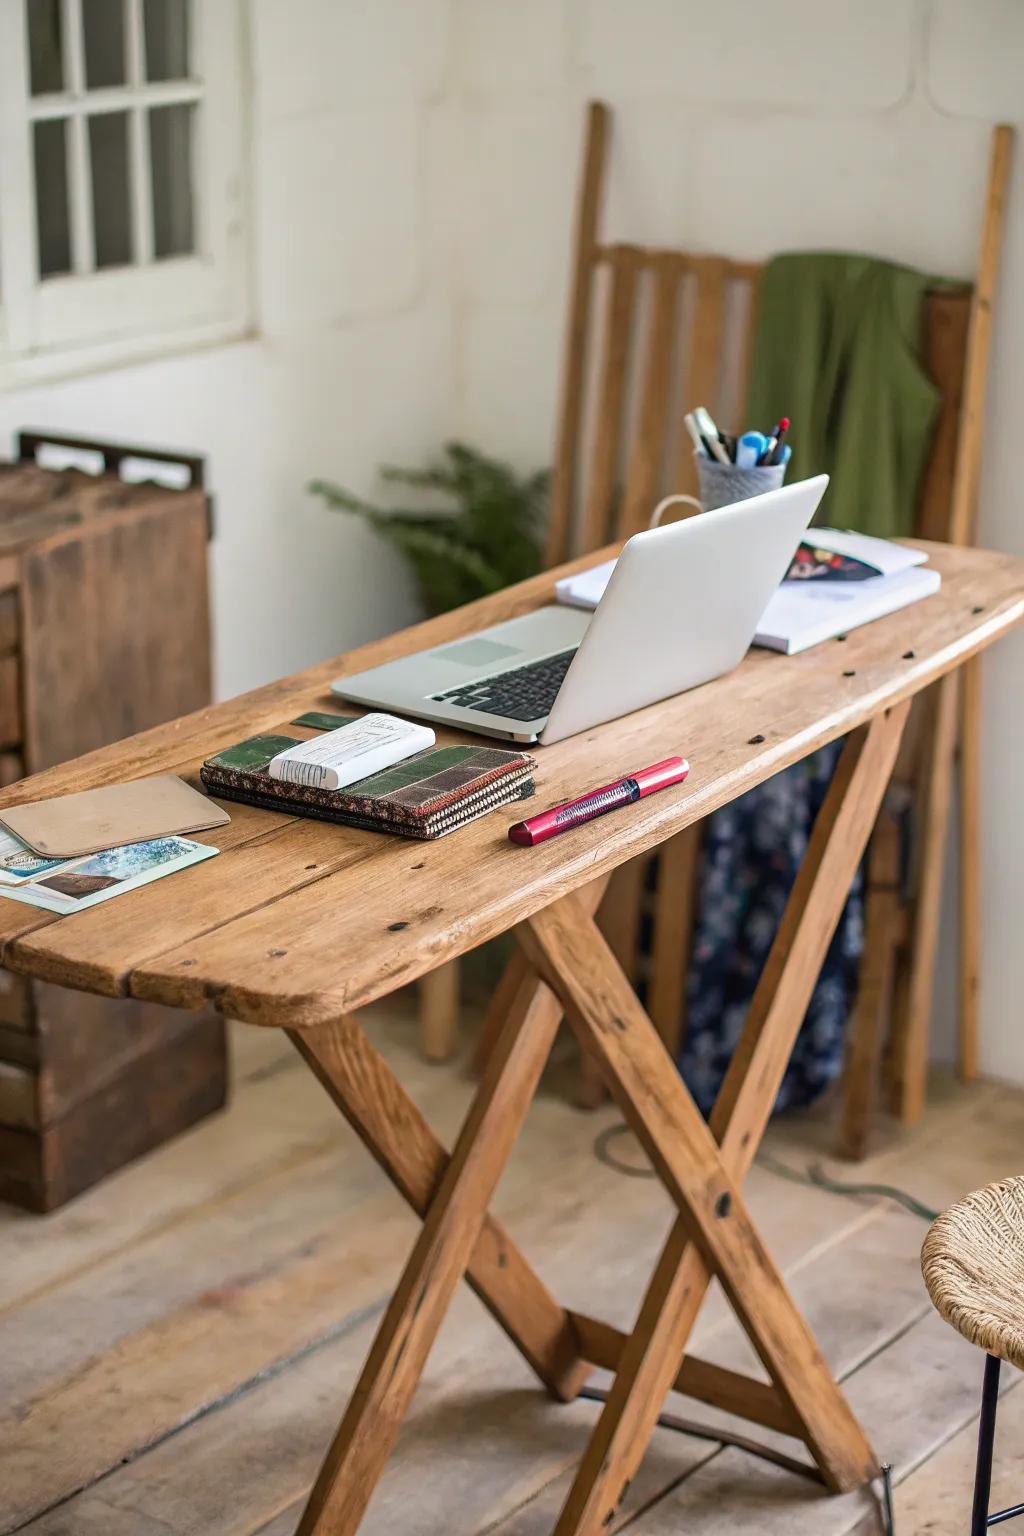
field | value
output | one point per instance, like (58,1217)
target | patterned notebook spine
(508,790)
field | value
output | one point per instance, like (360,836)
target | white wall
(414,165)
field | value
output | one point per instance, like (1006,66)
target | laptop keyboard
(523,694)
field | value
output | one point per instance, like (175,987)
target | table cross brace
(702,1167)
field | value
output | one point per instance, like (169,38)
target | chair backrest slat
(750,319)
(706,362)
(570,419)
(967,471)
(947,316)
(643,477)
(599,505)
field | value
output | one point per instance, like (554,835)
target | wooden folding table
(299,923)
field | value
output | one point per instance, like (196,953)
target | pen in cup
(749,449)
(774,439)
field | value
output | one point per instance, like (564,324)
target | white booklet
(356,750)
(71,885)
(803,612)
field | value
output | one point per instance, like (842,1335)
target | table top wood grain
(298,921)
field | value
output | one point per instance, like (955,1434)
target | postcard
(71,885)
(18,862)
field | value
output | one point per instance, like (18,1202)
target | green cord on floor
(814,1176)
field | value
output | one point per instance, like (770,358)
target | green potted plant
(485,534)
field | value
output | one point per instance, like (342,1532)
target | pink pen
(560,818)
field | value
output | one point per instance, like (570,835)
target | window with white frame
(122,196)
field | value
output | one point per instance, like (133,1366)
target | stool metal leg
(986,1437)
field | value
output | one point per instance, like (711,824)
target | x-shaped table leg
(458,1236)
(702,1167)
(575,968)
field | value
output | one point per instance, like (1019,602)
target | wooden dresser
(104,631)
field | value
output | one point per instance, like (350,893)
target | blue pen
(749,449)
(786,453)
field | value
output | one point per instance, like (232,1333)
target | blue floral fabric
(752,851)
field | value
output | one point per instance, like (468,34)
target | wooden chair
(652,332)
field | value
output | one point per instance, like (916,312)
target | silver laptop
(681,608)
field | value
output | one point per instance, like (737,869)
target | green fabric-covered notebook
(423,797)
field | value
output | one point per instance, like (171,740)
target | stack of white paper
(586,588)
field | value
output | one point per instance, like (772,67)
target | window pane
(103,23)
(46,64)
(53,224)
(111,210)
(166,28)
(170,149)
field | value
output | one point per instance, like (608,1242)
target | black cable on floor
(752,1448)
(721,1437)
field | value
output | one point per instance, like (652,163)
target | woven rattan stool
(973,1266)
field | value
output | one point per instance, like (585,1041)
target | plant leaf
(488,535)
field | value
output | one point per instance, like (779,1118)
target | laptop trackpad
(475,652)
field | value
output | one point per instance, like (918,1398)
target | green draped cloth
(838,349)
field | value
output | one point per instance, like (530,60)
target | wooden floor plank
(259,1454)
(936,1498)
(910,1397)
(279,1116)
(487,1366)
(104,1365)
(478,1410)
(64,1429)
(240,1274)
(838,1293)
